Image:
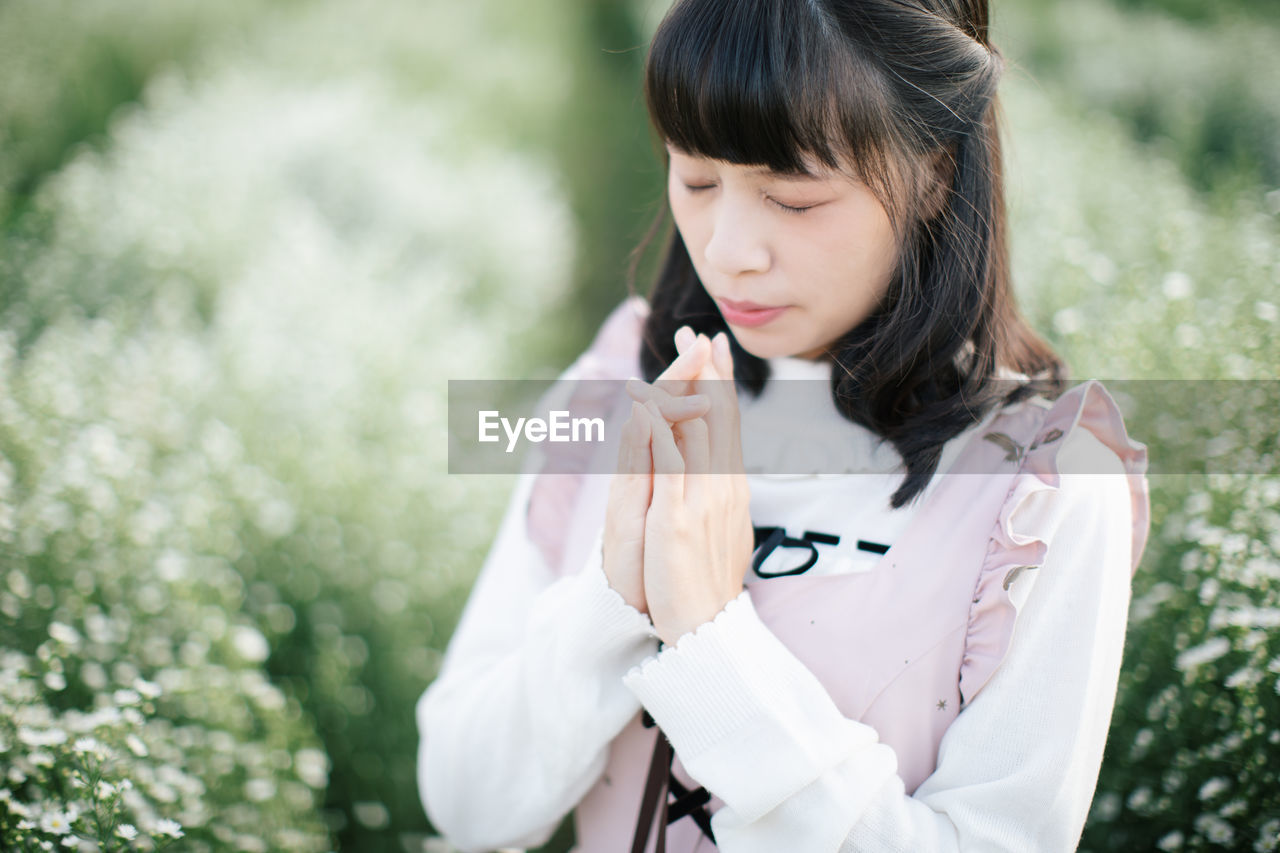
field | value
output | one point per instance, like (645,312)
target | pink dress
(931,622)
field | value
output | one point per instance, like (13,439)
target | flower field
(243,247)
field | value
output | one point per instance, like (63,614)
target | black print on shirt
(768,539)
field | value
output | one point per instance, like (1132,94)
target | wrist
(671,627)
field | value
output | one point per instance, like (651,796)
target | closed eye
(789,209)
(694,188)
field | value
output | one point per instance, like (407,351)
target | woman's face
(820,249)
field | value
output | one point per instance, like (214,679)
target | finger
(699,382)
(684,338)
(721,356)
(688,364)
(668,465)
(639,456)
(695,448)
(723,360)
(633,480)
(672,408)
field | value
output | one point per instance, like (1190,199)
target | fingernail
(636,388)
(684,337)
(721,342)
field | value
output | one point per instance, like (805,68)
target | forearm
(512,741)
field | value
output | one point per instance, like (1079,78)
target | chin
(766,346)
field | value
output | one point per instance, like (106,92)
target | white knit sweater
(543,673)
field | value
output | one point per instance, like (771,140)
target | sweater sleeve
(515,729)
(1016,769)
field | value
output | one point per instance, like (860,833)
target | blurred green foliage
(242,245)
(1201,93)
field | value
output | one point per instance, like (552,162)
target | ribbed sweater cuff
(733,699)
(606,622)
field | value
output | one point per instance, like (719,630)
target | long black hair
(905,91)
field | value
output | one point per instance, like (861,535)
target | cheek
(686,220)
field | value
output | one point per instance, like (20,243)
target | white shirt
(542,673)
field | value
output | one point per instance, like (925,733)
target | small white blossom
(1206,652)
(57,823)
(1215,829)
(86,744)
(147,689)
(35,737)
(127,831)
(171,828)
(1214,787)
(250,644)
(136,746)
(64,633)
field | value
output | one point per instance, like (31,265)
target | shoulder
(1080,468)
(614,351)
(1079,491)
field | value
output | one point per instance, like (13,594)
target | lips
(747,306)
(749,314)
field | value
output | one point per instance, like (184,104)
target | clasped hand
(678,534)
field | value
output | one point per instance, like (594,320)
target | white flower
(55,681)
(1176,285)
(136,746)
(87,744)
(56,823)
(35,737)
(148,689)
(1214,787)
(105,790)
(250,644)
(1206,652)
(127,831)
(171,828)
(40,758)
(1068,321)
(126,697)
(1215,829)
(259,790)
(64,633)
(312,767)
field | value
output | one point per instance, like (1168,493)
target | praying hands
(678,535)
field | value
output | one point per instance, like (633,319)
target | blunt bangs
(766,82)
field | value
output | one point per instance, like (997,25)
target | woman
(835,183)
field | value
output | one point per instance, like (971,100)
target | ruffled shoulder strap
(1016,545)
(613,354)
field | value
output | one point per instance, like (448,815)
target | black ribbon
(660,779)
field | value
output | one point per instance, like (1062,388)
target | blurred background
(245,244)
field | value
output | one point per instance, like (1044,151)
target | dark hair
(905,91)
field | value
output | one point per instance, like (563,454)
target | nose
(737,244)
